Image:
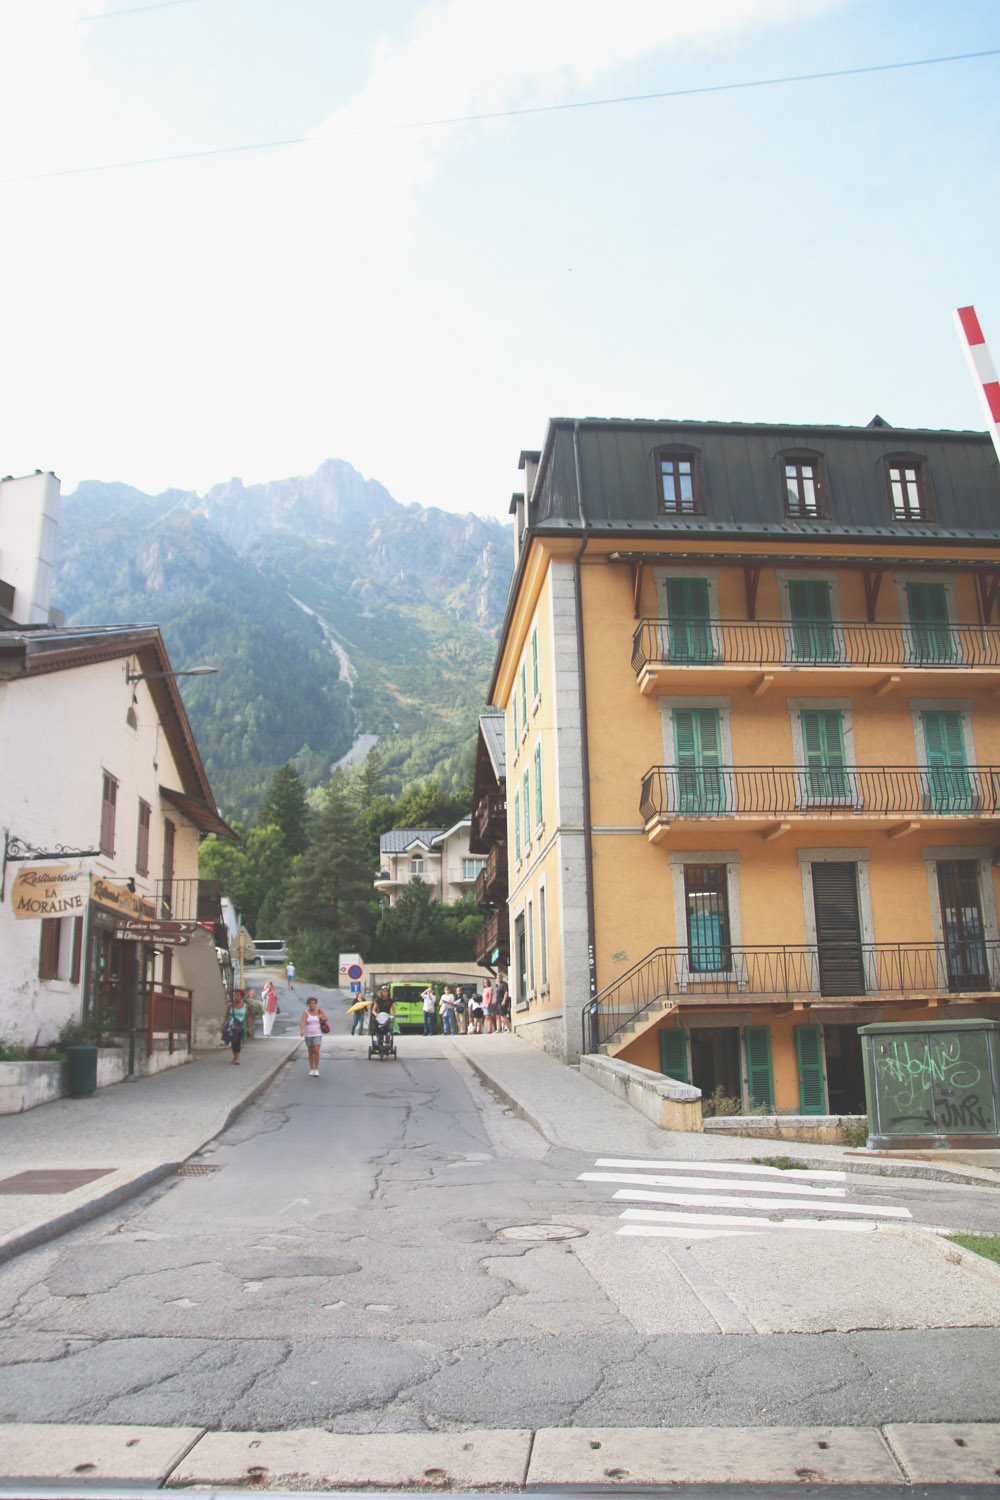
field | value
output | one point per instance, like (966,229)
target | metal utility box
(934,1084)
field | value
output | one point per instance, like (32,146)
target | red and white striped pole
(983,370)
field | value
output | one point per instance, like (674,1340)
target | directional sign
(170,934)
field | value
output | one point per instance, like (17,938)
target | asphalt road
(386,1248)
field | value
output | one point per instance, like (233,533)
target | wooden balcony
(494,936)
(689,656)
(491,883)
(490,818)
(772,799)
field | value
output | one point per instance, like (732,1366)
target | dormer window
(803,486)
(681,492)
(416,864)
(909,487)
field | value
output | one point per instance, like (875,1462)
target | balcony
(491,883)
(713,973)
(685,655)
(490,818)
(772,798)
(190,901)
(494,937)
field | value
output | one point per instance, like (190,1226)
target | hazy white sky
(418,298)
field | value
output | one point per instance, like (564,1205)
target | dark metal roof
(601,474)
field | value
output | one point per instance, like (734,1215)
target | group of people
(466,1010)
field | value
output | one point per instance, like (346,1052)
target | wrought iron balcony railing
(820,790)
(189,900)
(771,643)
(711,969)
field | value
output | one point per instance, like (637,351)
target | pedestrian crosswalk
(693,1198)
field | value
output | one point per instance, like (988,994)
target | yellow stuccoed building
(749,677)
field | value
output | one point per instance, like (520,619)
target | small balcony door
(689,633)
(838,928)
(949,785)
(962,924)
(697,742)
(826,779)
(931,635)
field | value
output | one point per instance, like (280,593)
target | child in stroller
(381,1025)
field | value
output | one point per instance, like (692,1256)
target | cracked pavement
(343,1268)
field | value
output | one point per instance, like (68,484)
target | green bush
(10,1051)
(316,954)
(855,1132)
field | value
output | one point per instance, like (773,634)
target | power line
(504,114)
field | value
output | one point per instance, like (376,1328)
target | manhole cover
(541,1232)
(195,1169)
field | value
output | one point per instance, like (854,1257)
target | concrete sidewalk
(128,1136)
(570,1110)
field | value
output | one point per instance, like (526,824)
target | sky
(240,237)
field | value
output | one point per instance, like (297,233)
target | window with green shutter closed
(949,786)
(826,778)
(673,1054)
(809,1048)
(690,630)
(931,636)
(759,1075)
(811,611)
(697,749)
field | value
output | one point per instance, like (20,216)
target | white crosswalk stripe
(797,1199)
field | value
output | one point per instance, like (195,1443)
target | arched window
(909,482)
(803,484)
(680,484)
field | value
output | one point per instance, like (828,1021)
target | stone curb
(936,1242)
(103,1201)
(874,1166)
(891,1459)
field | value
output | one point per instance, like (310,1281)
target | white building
(438,856)
(103,802)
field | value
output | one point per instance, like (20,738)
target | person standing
(448,1010)
(487,1007)
(462,1003)
(430,1011)
(270,999)
(290,975)
(311,1027)
(236,1024)
(359,1017)
(501,1000)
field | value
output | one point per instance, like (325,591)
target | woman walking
(235,1026)
(311,1027)
(270,998)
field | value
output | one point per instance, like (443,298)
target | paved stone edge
(816,1458)
(507,1096)
(19,1241)
(938,1244)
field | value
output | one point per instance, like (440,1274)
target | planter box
(23,1085)
(820,1130)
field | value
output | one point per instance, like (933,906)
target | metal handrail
(824,790)
(712,970)
(855,643)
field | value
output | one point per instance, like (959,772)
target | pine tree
(285,807)
(330,888)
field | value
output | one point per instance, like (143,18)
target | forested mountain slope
(332,612)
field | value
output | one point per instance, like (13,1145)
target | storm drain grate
(196,1169)
(541,1232)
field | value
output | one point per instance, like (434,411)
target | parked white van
(271,950)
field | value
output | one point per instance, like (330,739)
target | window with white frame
(530,938)
(416,864)
(472,867)
(526,807)
(538,785)
(534,664)
(543,939)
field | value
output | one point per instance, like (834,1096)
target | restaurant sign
(119,898)
(50,891)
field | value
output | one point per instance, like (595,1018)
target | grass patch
(783,1163)
(986,1245)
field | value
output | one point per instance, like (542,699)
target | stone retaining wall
(24,1085)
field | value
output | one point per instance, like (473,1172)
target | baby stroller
(383,1043)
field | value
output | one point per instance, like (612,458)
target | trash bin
(81,1071)
(932,1085)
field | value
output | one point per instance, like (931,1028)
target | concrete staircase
(650,1016)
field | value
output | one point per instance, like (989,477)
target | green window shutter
(524,693)
(759,1075)
(928,608)
(538,785)
(823,749)
(950,789)
(697,748)
(812,620)
(526,807)
(809,1046)
(534,663)
(513,704)
(673,1054)
(690,622)
(517,825)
